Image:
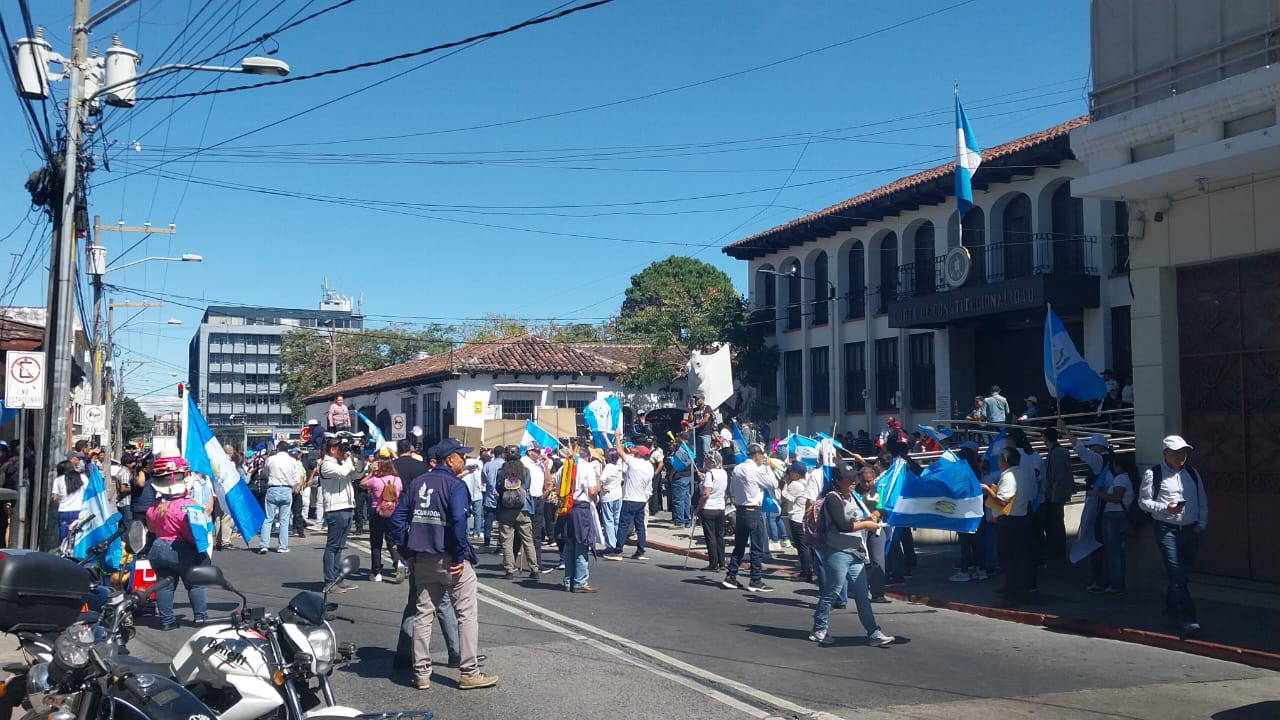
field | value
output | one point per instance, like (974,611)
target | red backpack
(387,499)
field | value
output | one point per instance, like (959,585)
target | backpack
(1139,517)
(514,495)
(387,499)
(815,523)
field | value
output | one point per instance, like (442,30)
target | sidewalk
(1233,631)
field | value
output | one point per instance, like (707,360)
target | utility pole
(116,443)
(59,334)
(120,415)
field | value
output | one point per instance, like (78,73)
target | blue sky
(544,218)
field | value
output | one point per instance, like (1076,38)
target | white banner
(711,375)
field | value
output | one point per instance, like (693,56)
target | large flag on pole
(1066,373)
(98,520)
(803,448)
(945,496)
(604,418)
(968,158)
(205,455)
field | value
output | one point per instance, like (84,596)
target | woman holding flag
(181,528)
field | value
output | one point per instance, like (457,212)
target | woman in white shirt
(715,483)
(68,493)
(794,495)
(610,496)
(1117,497)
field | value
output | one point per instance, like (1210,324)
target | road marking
(595,637)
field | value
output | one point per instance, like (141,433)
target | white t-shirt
(69,502)
(716,480)
(473,481)
(586,479)
(795,494)
(611,482)
(1121,480)
(536,475)
(637,479)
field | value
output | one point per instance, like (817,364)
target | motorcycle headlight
(323,647)
(38,681)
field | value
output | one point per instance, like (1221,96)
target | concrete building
(890,304)
(506,379)
(1183,129)
(234,368)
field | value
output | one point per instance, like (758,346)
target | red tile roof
(799,230)
(516,354)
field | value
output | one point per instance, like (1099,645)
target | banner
(711,375)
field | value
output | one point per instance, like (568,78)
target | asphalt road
(659,641)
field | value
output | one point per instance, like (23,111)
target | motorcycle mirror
(349,565)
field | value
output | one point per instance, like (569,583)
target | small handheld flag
(98,520)
(739,444)
(534,434)
(682,458)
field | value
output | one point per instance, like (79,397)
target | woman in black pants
(715,484)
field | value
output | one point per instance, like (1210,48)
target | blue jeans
(1179,545)
(632,511)
(1115,527)
(338,524)
(843,569)
(278,501)
(681,486)
(748,531)
(704,447)
(477,516)
(574,557)
(820,567)
(777,527)
(171,559)
(609,514)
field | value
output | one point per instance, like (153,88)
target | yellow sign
(479,407)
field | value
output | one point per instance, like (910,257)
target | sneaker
(346,586)
(548,571)
(880,599)
(262,551)
(557,567)
(759,587)
(476,681)
(879,639)
(960,576)
(979,574)
(786,544)
(639,556)
(534,575)
(1190,629)
(282,550)
(820,637)
(729,583)
(612,556)
(422,682)
(401,574)
(376,576)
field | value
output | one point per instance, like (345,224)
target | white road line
(593,636)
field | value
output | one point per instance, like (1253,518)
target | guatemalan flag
(375,432)
(682,458)
(205,455)
(604,418)
(803,449)
(739,445)
(534,434)
(99,520)
(968,158)
(1065,372)
(889,484)
(945,496)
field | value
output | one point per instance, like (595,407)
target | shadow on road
(1266,710)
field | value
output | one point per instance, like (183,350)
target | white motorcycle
(263,666)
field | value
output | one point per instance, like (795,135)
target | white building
(1184,129)
(884,307)
(506,379)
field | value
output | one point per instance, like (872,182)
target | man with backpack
(1173,494)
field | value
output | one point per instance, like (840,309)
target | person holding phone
(1173,494)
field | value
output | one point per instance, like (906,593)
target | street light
(832,358)
(185,257)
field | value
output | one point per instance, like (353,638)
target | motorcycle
(261,665)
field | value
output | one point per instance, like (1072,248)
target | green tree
(574,332)
(494,327)
(307,356)
(134,424)
(681,304)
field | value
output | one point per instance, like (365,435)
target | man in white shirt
(747,487)
(611,498)
(637,486)
(538,467)
(282,478)
(1177,502)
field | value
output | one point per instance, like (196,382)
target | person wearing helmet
(181,530)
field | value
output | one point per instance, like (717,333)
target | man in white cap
(1093,451)
(1173,493)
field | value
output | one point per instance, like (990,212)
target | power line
(394,58)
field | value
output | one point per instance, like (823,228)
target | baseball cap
(1175,442)
(447,447)
(1097,439)
(384,453)
(313,421)
(798,468)
(641,451)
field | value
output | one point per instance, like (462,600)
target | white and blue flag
(739,445)
(205,455)
(803,449)
(1066,373)
(968,158)
(98,520)
(945,496)
(375,432)
(682,458)
(534,434)
(889,484)
(820,436)
(604,419)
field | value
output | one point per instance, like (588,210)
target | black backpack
(1139,517)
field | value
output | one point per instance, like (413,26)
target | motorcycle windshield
(309,606)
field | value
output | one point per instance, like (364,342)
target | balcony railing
(1046,254)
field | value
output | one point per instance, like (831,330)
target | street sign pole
(19,523)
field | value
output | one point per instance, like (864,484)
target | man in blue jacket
(430,527)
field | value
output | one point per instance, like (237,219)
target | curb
(1165,641)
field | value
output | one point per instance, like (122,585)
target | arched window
(925,280)
(857,281)
(888,271)
(1067,224)
(821,290)
(767,298)
(1017,237)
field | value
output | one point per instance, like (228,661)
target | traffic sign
(24,379)
(95,419)
(398,426)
